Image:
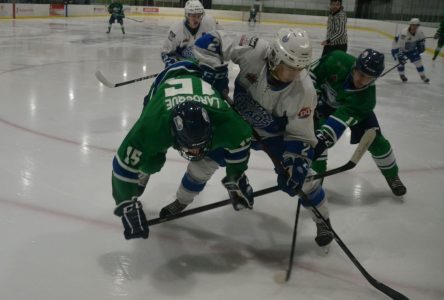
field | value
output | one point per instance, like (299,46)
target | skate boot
(403,78)
(109,29)
(172,209)
(324,235)
(425,79)
(123,30)
(397,187)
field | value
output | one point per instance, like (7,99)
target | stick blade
(366,141)
(103,80)
(280,277)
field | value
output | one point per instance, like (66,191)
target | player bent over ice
(276,96)
(347,98)
(181,111)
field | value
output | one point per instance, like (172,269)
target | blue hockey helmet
(371,62)
(191,128)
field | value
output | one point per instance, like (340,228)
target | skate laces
(395,182)
(322,229)
(176,206)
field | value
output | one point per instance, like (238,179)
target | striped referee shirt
(336,28)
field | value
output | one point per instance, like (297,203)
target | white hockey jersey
(407,42)
(180,40)
(297,100)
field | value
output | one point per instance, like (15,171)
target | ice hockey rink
(60,128)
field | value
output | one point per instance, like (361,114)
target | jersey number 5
(132,156)
(185,86)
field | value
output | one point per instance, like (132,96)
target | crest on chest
(251,77)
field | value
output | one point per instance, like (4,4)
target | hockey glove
(324,142)
(133,219)
(402,59)
(240,191)
(168,59)
(420,47)
(217,77)
(296,170)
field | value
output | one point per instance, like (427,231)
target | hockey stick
(357,154)
(391,69)
(139,21)
(367,142)
(207,207)
(281,277)
(110,84)
(375,283)
(364,143)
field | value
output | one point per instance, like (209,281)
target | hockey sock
(383,156)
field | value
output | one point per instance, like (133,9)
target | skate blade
(324,250)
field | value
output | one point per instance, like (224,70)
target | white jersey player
(409,45)
(182,35)
(276,96)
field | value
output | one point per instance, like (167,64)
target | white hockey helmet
(414,21)
(194,7)
(291,47)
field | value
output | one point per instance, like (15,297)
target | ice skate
(396,185)
(172,209)
(403,78)
(324,236)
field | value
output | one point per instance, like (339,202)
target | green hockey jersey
(340,105)
(116,9)
(440,31)
(143,149)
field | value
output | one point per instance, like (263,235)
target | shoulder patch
(248,40)
(304,113)
(253,42)
(171,36)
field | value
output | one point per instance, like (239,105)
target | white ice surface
(59,129)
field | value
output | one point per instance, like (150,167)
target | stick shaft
(110,84)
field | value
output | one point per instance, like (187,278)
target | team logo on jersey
(252,78)
(253,42)
(334,78)
(252,111)
(285,38)
(305,112)
(171,36)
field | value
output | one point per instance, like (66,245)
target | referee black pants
(330,48)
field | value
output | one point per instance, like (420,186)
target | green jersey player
(439,35)
(185,112)
(117,14)
(347,98)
